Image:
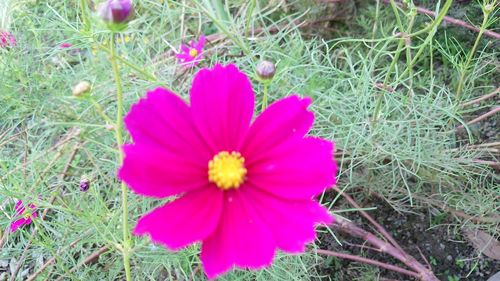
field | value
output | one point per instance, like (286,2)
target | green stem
(378,105)
(375,24)
(396,14)
(470,56)
(433,30)
(408,48)
(86,21)
(119,142)
(264,97)
(100,111)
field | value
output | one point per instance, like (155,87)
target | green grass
(408,151)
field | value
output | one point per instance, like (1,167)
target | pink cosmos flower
(245,188)
(65,45)
(26,216)
(192,54)
(7,39)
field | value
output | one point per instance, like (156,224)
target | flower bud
(81,89)
(7,39)
(116,13)
(84,184)
(266,70)
(110,127)
(488,8)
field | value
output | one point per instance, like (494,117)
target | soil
(421,234)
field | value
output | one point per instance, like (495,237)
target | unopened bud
(81,88)
(266,70)
(110,127)
(116,13)
(488,8)
(84,184)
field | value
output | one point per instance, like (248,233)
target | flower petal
(159,173)
(163,120)
(241,239)
(186,220)
(184,58)
(297,169)
(282,120)
(291,221)
(18,223)
(185,48)
(222,103)
(200,44)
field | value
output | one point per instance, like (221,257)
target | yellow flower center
(193,53)
(227,170)
(26,215)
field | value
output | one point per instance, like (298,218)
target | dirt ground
(421,234)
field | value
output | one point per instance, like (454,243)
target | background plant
(394,120)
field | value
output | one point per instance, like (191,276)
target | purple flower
(7,39)
(22,215)
(191,54)
(116,11)
(84,184)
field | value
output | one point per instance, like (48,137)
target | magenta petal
(297,169)
(184,49)
(159,173)
(292,222)
(163,120)
(241,239)
(18,223)
(184,57)
(186,220)
(285,119)
(222,103)
(200,44)
(19,207)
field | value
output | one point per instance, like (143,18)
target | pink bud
(116,11)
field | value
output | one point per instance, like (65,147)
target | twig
(4,237)
(370,219)
(368,261)
(482,117)
(193,274)
(89,259)
(11,137)
(480,99)
(361,246)
(491,219)
(493,164)
(489,146)
(353,230)
(451,20)
(424,258)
